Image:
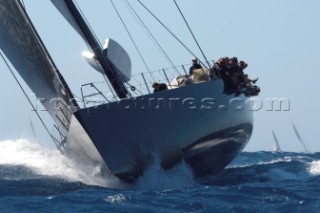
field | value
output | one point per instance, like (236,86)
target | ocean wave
(116,199)
(24,159)
(156,178)
(266,167)
(314,168)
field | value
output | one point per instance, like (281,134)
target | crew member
(159,87)
(195,66)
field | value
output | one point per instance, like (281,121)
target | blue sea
(37,179)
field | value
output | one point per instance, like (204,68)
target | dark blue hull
(129,134)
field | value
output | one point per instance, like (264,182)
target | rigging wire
(87,22)
(194,37)
(134,43)
(150,34)
(163,25)
(98,64)
(29,100)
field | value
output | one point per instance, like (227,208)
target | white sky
(278,39)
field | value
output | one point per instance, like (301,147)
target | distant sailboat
(300,139)
(276,146)
(32,128)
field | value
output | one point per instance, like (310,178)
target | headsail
(276,145)
(70,11)
(22,45)
(300,139)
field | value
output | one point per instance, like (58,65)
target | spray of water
(155,178)
(315,168)
(51,163)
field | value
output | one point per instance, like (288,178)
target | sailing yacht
(199,123)
(300,138)
(276,145)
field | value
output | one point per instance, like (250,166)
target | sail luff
(82,27)
(23,47)
(66,88)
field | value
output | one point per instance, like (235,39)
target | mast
(95,46)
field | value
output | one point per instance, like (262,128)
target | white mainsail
(300,139)
(276,146)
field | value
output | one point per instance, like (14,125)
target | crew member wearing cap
(195,66)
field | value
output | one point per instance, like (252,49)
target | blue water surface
(34,179)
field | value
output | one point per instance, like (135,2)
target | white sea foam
(261,163)
(155,178)
(315,168)
(43,161)
(116,199)
(299,173)
(51,163)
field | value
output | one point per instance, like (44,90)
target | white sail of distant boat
(32,128)
(300,139)
(276,146)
